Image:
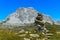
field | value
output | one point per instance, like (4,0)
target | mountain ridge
(27,15)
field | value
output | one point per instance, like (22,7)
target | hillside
(23,16)
(20,26)
(27,34)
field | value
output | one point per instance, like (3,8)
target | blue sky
(49,7)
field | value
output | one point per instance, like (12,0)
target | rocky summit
(23,16)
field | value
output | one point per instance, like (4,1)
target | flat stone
(26,32)
(38,39)
(34,35)
(16,33)
(26,39)
(58,32)
(29,32)
(49,34)
(22,31)
(22,35)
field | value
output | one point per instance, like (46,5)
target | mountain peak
(24,16)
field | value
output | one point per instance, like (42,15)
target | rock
(38,39)
(58,32)
(48,19)
(26,39)
(57,22)
(26,32)
(49,34)
(29,31)
(44,39)
(34,35)
(22,35)
(22,31)
(22,16)
(25,16)
(16,33)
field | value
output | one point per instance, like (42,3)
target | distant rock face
(57,22)
(48,19)
(24,16)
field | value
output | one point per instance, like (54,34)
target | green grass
(53,29)
(10,34)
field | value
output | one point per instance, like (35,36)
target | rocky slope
(57,22)
(24,16)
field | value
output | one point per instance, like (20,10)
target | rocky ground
(24,34)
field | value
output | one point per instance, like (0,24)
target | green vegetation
(54,29)
(15,35)
(8,35)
